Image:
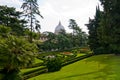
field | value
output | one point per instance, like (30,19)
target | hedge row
(76,59)
(34,72)
(39,71)
(36,65)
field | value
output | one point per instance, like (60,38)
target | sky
(54,11)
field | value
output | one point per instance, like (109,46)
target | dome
(59,28)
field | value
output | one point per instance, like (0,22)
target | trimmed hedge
(54,64)
(32,70)
(36,65)
(35,72)
(76,59)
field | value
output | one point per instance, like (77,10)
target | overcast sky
(54,11)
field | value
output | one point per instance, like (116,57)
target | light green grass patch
(99,67)
(38,61)
(80,54)
(22,71)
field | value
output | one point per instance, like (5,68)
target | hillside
(99,67)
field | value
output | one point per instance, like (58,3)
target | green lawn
(80,54)
(100,67)
(30,69)
(38,61)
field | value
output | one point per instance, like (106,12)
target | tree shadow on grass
(76,75)
(108,72)
(111,68)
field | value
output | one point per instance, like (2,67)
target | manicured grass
(38,61)
(30,69)
(99,67)
(80,54)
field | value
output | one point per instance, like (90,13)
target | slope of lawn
(99,67)
(37,61)
(30,69)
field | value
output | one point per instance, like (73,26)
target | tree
(110,25)
(94,31)
(72,25)
(15,53)
(31,9)
(9,17)
(77,37)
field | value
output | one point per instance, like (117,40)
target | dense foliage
(64,40)
(11,18)
(30,10)
(53,63)
(94,32)
(15,53)
(110,25)
(104,29)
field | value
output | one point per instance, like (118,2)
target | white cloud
(55,10)
(12,3)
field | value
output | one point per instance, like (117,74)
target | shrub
(54,64)
(15,53)
(11,75)
(101,50)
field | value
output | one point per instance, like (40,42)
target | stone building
(59,28)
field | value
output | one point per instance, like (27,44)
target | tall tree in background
(11,18)
(111,25)
(31,9)
(94,24)
(72,25)
(78,34)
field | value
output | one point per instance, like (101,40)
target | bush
(15,52)
(53,64)
(102,50)
(11,75)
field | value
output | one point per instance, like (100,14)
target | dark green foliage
(11,75)
(15,52)
(31,9)
(110,25)
(4,31)
(63,40)
(78,37)
(93,27)
(53,64)
(11,18)
(104,30)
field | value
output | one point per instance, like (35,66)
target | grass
(80,54)
(38,61)
(30,69)
(100,67)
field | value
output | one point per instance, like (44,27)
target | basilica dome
(59,28)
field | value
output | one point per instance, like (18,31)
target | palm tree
(14,54)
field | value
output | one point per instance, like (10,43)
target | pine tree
(31,9)
(11,18)
(110,25)
(93,26)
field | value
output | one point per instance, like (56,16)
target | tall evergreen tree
(110,24)
(78,35)
(93,26)
(31,9)
(11,18)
